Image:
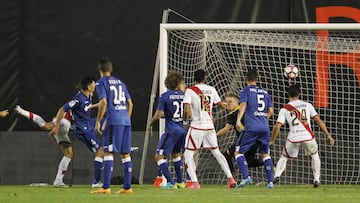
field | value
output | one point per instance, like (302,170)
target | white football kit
(201,98)
(298,114)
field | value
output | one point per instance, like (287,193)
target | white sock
(280,166)
(63,165)
(189,161)
(315,166)
(222,161)
(31,116)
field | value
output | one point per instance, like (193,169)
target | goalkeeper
(232,105)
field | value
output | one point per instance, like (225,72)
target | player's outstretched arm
(4,113)
(275,132)
(59,116)
(158,114)
(323,128)
(224,130)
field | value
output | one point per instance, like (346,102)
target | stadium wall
(33,157)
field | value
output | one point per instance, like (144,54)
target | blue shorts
(171,143)
(117,138)
(248,138)
(88,137)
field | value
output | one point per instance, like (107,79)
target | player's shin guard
(242,165)
(190,165)
(280,166)
(127,166)
(98,164)
(178,169)
(63,165)
(108,169)
(164,166)
(222,161)
(315,166)
(268,166)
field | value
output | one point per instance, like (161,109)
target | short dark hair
(199,75)
(293,91)
(252,75)
(173,79)
(233,95)
(85,82)
(105,65)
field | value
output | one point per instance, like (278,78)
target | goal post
(328,58)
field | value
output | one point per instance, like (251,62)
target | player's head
(87,83)
(232,101)
(199,76)
(293,91)
(105,65)
(175,80)
(252,75)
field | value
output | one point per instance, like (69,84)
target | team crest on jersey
(72,103)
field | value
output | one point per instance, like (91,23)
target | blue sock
(163,165)
(127,172)
(268,166)
(178,169)
(187,176)
(159,174)
(108,168)
(243,166)
(98,164)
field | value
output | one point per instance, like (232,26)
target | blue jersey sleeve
(71,105)
(127,94)
(100,90)
(243,95)
(161,104)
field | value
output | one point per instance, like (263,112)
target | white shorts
(196,137)
(63,136)
(291,150)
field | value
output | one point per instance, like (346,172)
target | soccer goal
(328,59)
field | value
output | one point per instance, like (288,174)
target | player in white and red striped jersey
(198,103)
(62,139)
(298,114)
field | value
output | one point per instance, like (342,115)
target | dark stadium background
(47,46)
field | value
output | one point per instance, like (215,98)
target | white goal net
(328,57)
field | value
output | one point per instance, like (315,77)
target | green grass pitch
(208,193)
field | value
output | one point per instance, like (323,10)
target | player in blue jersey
(84,130)
(172,140)
(116,102)
(256,106)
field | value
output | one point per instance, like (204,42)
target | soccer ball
(291,71)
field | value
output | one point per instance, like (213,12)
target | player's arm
(59,116)
(158,114)
(270,112)
(241,112)
(224,130)
(323,128)
(100,114)
(130,107)
(96,105)
(4,113)
(187,112)
(275,132)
